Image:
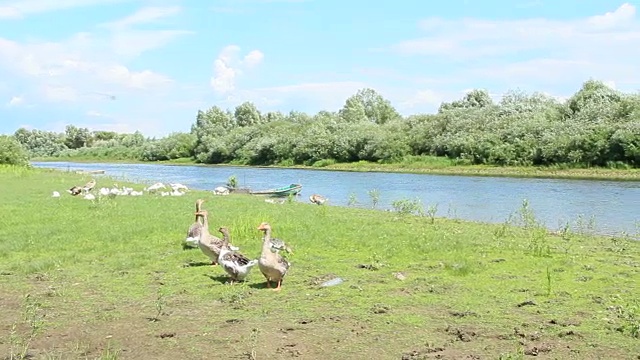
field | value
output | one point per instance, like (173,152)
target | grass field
(428,165)
(109,279)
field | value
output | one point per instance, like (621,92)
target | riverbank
(423,165)
(107,278)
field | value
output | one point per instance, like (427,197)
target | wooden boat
(293,189)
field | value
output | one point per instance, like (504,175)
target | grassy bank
(109,279)
(427,165)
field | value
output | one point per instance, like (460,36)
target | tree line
(597,126)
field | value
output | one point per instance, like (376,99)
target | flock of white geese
(219,250)
(157,188)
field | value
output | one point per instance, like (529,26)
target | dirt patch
(526,303)
(421,354)
(459,334)
(461,314)
(539,349)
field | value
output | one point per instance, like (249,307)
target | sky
(150,65)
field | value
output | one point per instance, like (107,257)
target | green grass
(431,165)
(98,273)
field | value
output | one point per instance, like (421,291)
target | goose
(177,187)
(234,263)
(272,265)
(210,245)
(221,190)
(317,199)
(155,187)
(76,190)
(193,234)
(176,193)
(89,186)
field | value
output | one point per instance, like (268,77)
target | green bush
(11,152)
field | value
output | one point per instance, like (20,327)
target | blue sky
(128,65)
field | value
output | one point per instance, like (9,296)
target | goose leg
(268,284)
(278,288)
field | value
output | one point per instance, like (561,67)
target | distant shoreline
(601,174)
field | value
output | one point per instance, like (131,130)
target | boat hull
(293,189)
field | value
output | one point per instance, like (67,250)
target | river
(608,207)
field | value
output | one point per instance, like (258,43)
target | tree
(247,114)
(40,143)
(210,124)
(76,138)
(376,108)
(474,99)
(593,93)
(353,111)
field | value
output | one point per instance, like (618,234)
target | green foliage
(174,146)
(12,152)
(597,126)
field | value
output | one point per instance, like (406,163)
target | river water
(608,207)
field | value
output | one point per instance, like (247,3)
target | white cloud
(226,68)
(422,98)
(17,9)
(623,15)
(88,62)
(93,113)
(253,58)
(15,101)
(538,52)
(143,16)
(312,97)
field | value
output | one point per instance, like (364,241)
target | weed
(374,194)
(408,207)
(516,355)
(33,317)
(232,182)
(160,304)
(353,200)
(548,282)
(628,312)
(432,210)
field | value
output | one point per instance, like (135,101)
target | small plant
(585,226)
(406,206)
(375,263)
(548,281)
(452,213)
(538,244)
(374,194)
(353,200)
(567,237)
(232,182)
(159,303)
(526,216)
(432,210)
(110,353)
(504,229)
(517,355)
(629,315)
(617,243)
(34,318)
(254,342)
